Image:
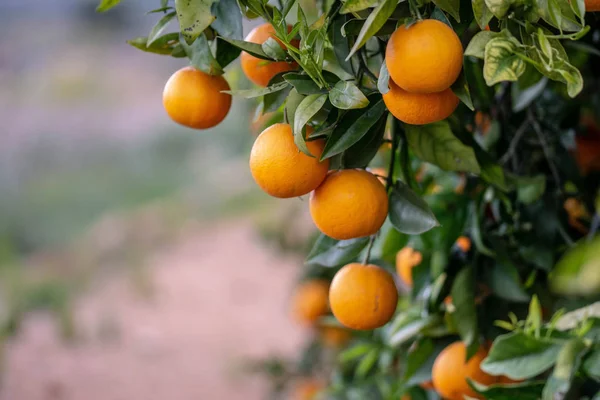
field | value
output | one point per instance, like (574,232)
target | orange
(334,336)
(592,5)
(576,210)
(350,203)
(424,58)
(406,259)
(256,69)
(310,301)
(362,296)
(419,108)
(483,122)
(307,389)
(450,372)
(464,243)
(282,170)
(193,98)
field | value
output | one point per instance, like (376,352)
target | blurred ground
(210,308)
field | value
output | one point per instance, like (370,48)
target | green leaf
(452,7)
(273,50)
(506,283)
(352,128)
(251,48)
(341,49)
(482,13)
(418,354)
(521,99)
(374,22)
(228,18)
(530,189)
(365,365)
(307,108)
(576,273)
(328,252)
(465,316)
(435,143)
(498,7)
(354,26)
(591,364)
(408,212)
(351,6)
(354,352)
(520,356)
(293,101)
(476,47)
(303,83)
(346,96)
(194,17)
(200,55)
(158,29)
(460,87)
(226,52)
(501,61)
(252,93)
(383,79)
(362,152)
(520,391)
(272,101)
(567,364)
(106,5)
(165,44)
(559,14)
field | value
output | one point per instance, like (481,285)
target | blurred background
(138,260)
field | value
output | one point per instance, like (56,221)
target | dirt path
(220,296)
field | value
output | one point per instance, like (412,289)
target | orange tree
(455,140)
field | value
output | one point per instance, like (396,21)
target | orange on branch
(406,259)
(419,108)
(193,98)
(451,370)
(282,170)
(350,203)
(310,301)
(363,297)
(262,71)
(334,336)
(426,57)
(307,389)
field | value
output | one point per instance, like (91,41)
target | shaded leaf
(250,48)
(460,87)
(374,22)
(530,189)
(408,212)
(567,365)
(200,55)
(228,18)
(521,391)
(328,252)
(362,152)
(465,316)
(303,83)
(273,50)
(452,7)
(346,96)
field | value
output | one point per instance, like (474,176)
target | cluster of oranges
(423,60)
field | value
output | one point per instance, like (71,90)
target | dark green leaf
(228,18)
(520,391)
(346,96)
(194,17)
(591,365)
(309,106)
(106,5)
(328,252)
(362,152)
(419,353)
(163,45)
(354,26)
(250,48)
(506,283)
(200,55)
(452,7)
(251,93)
(158,29)
(272,101)
(476,47)
(461,89)
(498,7)
(482,13)
(435,143)
(341,49)
(408,212)
(352,128)
(520,356)
(226,52)
(374,22)
(530,189)
(383,80)
(303,83)
(273,50)
(465,316)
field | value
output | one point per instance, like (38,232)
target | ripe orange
(334,336)
(258,70)
(592,5)
(406,259)
(419,108)
(464,243)
(424,58)
(307,389)
(280,169)
(350,203)
(363,297)
(450,372)
(310,301)
(193,98)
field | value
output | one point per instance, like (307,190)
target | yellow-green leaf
(194,17)
(501,61)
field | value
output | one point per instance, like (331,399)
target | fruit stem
(369,247)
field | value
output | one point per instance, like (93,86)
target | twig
(514,142)
(369,247)
(364,67)
(540,133)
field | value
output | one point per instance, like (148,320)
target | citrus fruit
(464,244)
(193,98)
(256,69)
(419,108)
(362,296)
(350,203)
(282,170)
(426,57)
(309,302)
(335,336)
(307,389)
(592,5)
(450,372)
(406,259)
